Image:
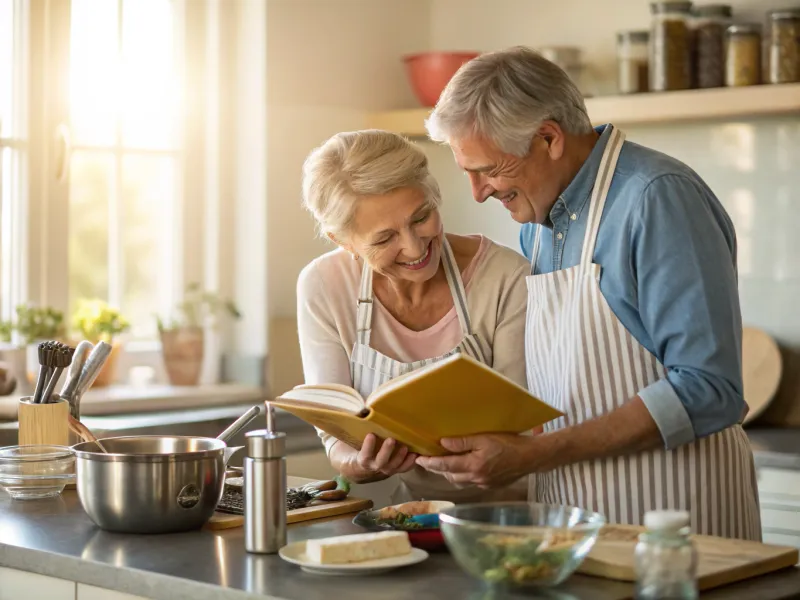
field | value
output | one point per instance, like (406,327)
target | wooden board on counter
(322,510)
(720,561)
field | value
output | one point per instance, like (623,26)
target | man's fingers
(458,444)
(397,459)
(445,464)
(384,456)
(408,463)
(367,452)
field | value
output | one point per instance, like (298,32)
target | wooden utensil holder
(45,424)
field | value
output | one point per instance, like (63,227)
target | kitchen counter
(57,539)
(775,448)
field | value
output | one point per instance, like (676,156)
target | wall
(750,164)
(328,63)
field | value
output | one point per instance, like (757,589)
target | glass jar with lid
(709,24)
(665,559)
(670,46)
(632,62)
(784,46)
(743,55)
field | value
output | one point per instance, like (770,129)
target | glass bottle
(670,46)
(632,62)
(784,46)
(709,24)
(665,558)
(743,55)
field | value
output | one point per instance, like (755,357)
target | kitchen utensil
(35,471)
(91,369)
(720,561)
(45,352)
(519,544)
(265,492)
(83,432)
(79,357)
(153,484)
(761,370)
(61,357)
(295,554)
(429,72)
(43,423)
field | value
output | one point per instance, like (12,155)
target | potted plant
(182,337)
(96,321)
(14,359)
(35,324)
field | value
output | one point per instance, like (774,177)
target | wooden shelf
(640,109)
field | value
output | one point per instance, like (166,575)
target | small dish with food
(419,519)
(519,544)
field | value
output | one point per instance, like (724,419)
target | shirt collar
(573,199)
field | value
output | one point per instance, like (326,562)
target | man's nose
(481,190)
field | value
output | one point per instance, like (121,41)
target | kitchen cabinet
(23,585)
(779,495)
(90,592)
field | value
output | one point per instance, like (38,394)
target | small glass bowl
(31,472)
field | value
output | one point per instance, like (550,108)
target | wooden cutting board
(762,367)
(349,505)
(720,561)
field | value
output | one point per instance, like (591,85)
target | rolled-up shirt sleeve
(684,262)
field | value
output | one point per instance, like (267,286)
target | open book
(455,397)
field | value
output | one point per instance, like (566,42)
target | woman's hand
(375,461)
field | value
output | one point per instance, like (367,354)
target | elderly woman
(399,294)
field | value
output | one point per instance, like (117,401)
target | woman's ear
(342,245)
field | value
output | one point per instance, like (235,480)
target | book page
(327,397)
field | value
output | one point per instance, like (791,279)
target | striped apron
(581,360)
(370,368)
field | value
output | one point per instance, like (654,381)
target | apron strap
(364,309)
(535,250)
(457,290)
(599,193)
(454,282)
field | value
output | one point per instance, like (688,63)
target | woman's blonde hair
(354,164)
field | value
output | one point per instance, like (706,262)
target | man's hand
(487,461)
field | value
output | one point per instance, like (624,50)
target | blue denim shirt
(667,249)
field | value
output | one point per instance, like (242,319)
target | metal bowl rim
(150,457)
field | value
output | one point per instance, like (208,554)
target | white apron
(581,360)
(369,369)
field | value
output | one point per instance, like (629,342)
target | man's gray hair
(505,96)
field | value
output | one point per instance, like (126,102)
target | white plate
(295,553)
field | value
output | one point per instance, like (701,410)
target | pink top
(392,338)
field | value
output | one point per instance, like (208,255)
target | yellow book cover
(456,397)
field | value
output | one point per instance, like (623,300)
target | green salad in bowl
(519,544)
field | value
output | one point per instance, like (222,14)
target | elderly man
(633,325)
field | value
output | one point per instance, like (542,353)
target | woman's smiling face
(399,234)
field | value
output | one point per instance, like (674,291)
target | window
(13,148)
(124,113)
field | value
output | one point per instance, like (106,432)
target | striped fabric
(582,360)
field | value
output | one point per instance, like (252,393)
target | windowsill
(126,399)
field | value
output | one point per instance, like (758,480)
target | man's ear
(553,135)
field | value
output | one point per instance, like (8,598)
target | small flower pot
(183,354)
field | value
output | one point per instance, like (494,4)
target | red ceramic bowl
(429,72)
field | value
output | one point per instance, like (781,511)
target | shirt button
(573,216)
(560,235)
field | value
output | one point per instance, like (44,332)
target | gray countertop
(775,447)
(56,538)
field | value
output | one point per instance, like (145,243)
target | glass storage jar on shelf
(670,46)
(784,46)
(709,25)
(632,62)
(569,58)
(743,55)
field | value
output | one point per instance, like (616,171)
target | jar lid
(784,13)
(666,520)
(265,444)
(658,8)
(633,36)
(713,10)
(744,29)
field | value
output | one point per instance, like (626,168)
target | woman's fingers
(366,455)
(408,463)
(400,454)
(384,456)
